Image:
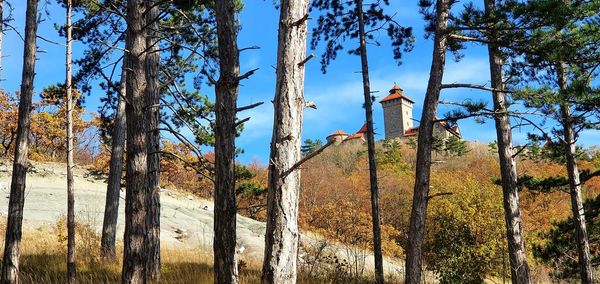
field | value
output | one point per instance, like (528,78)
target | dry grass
(43,261)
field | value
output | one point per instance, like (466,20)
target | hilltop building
(397,120)
(341,136)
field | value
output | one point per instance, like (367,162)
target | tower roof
(354,136)
(396,93)
(339,132)
(363,129)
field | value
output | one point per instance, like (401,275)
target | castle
(397,120)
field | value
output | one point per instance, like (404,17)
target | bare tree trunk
(1,35)
(370,146)
(152,117)
(282,236)
(508,168)
(135,254)
(71,268)
(12,244)
(115,171)
(414,254)
(225,264)
(583,245)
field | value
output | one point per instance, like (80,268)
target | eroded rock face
(185,223)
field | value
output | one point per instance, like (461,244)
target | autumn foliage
(48,129)
(465,234)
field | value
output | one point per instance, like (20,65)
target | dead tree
(282,236)
(12,243)
(71,268)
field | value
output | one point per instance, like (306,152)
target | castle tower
(397,113)
(337,137)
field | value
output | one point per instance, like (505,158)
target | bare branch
(304,160)
(520,150)
(468,38)
(248,48)
(300,21)
(187,164)
(473,86)
(51,41)
(311,56)
(242,121)
(249,106)
(247,74)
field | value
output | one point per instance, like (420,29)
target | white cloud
(260,123)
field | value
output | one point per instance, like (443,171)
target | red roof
(396,93)
(354,136)
(339,132)
(363,129)
(411,131)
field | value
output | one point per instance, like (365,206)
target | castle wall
(397,117)
(440,131)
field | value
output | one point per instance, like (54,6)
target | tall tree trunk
(135,254)
(508,168)
(12,243)
(1,35)
(414,253)
(225,264)
(282,236)
(115,171)
(583,245)
(370,146)
(152,117)
(71,269)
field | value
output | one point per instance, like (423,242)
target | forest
(155,104)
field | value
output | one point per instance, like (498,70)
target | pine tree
(563,52)
(135,255)
(226,89)
(347,19)
(152,105)
(310,146)
(12,252)
(115,171)
(439,27)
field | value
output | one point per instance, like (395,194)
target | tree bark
(508,168)
(71,268)
(152,118)
(414,252)
(370,146)
(135,254)
(583,245)
(282,236)
(1,34)
(225,264)
(12,244)
(115,171)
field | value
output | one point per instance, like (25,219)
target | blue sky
(338,94)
